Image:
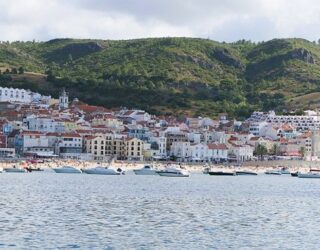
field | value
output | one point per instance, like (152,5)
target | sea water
(79,211)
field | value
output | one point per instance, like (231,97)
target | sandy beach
(192,167)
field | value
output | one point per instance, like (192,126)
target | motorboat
(15,169)
(245,172)
(103,171)
(222,173)
(67,170)
(146,170)
(309,175)
(285,170)
(294,174)
(273,172)
(173,172)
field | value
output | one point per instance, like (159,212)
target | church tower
(63,100)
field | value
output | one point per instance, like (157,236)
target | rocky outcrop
(224,56)
(303,55)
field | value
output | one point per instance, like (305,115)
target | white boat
(273,172)
(15,170)
(67,170)
(285,170)
(309,175)
(103,171)
(174,172)
(146,170)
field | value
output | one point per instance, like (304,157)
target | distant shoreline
(259,166)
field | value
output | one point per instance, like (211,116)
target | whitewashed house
(217,152)
(15,95)
(241,152)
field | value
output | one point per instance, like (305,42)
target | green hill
(171,75)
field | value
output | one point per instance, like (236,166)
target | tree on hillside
(21,70)
(50,76)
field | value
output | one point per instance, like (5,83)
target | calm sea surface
(61,211)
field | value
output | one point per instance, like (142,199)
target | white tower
(63,100)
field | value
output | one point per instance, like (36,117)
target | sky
(221,20)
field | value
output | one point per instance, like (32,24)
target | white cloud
(227,20)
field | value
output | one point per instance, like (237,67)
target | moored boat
(67,170)
(294,174)
(173,172)
(309,175)
(273,172)
(245,172)
(14,169)
(146,170)
(222,173)
(103,171)
(285,170)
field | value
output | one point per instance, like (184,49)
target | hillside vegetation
(170,75)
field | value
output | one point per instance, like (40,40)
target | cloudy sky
(222,20)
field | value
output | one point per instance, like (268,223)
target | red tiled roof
(217,146)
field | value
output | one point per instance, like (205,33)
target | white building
(201,152)
(69,145)
(137,115)
(241,152)
(21,96)
(309,121)
(36,143)
(44,124)
(256,128)
(159,146)
(15,95)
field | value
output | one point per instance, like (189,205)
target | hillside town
(37,126)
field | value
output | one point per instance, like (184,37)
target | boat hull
(101,172)
(67,171)
(167,174)
(145,172)
(221,173)
(309,175)
(15,170)
(273,173)
(245,173)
